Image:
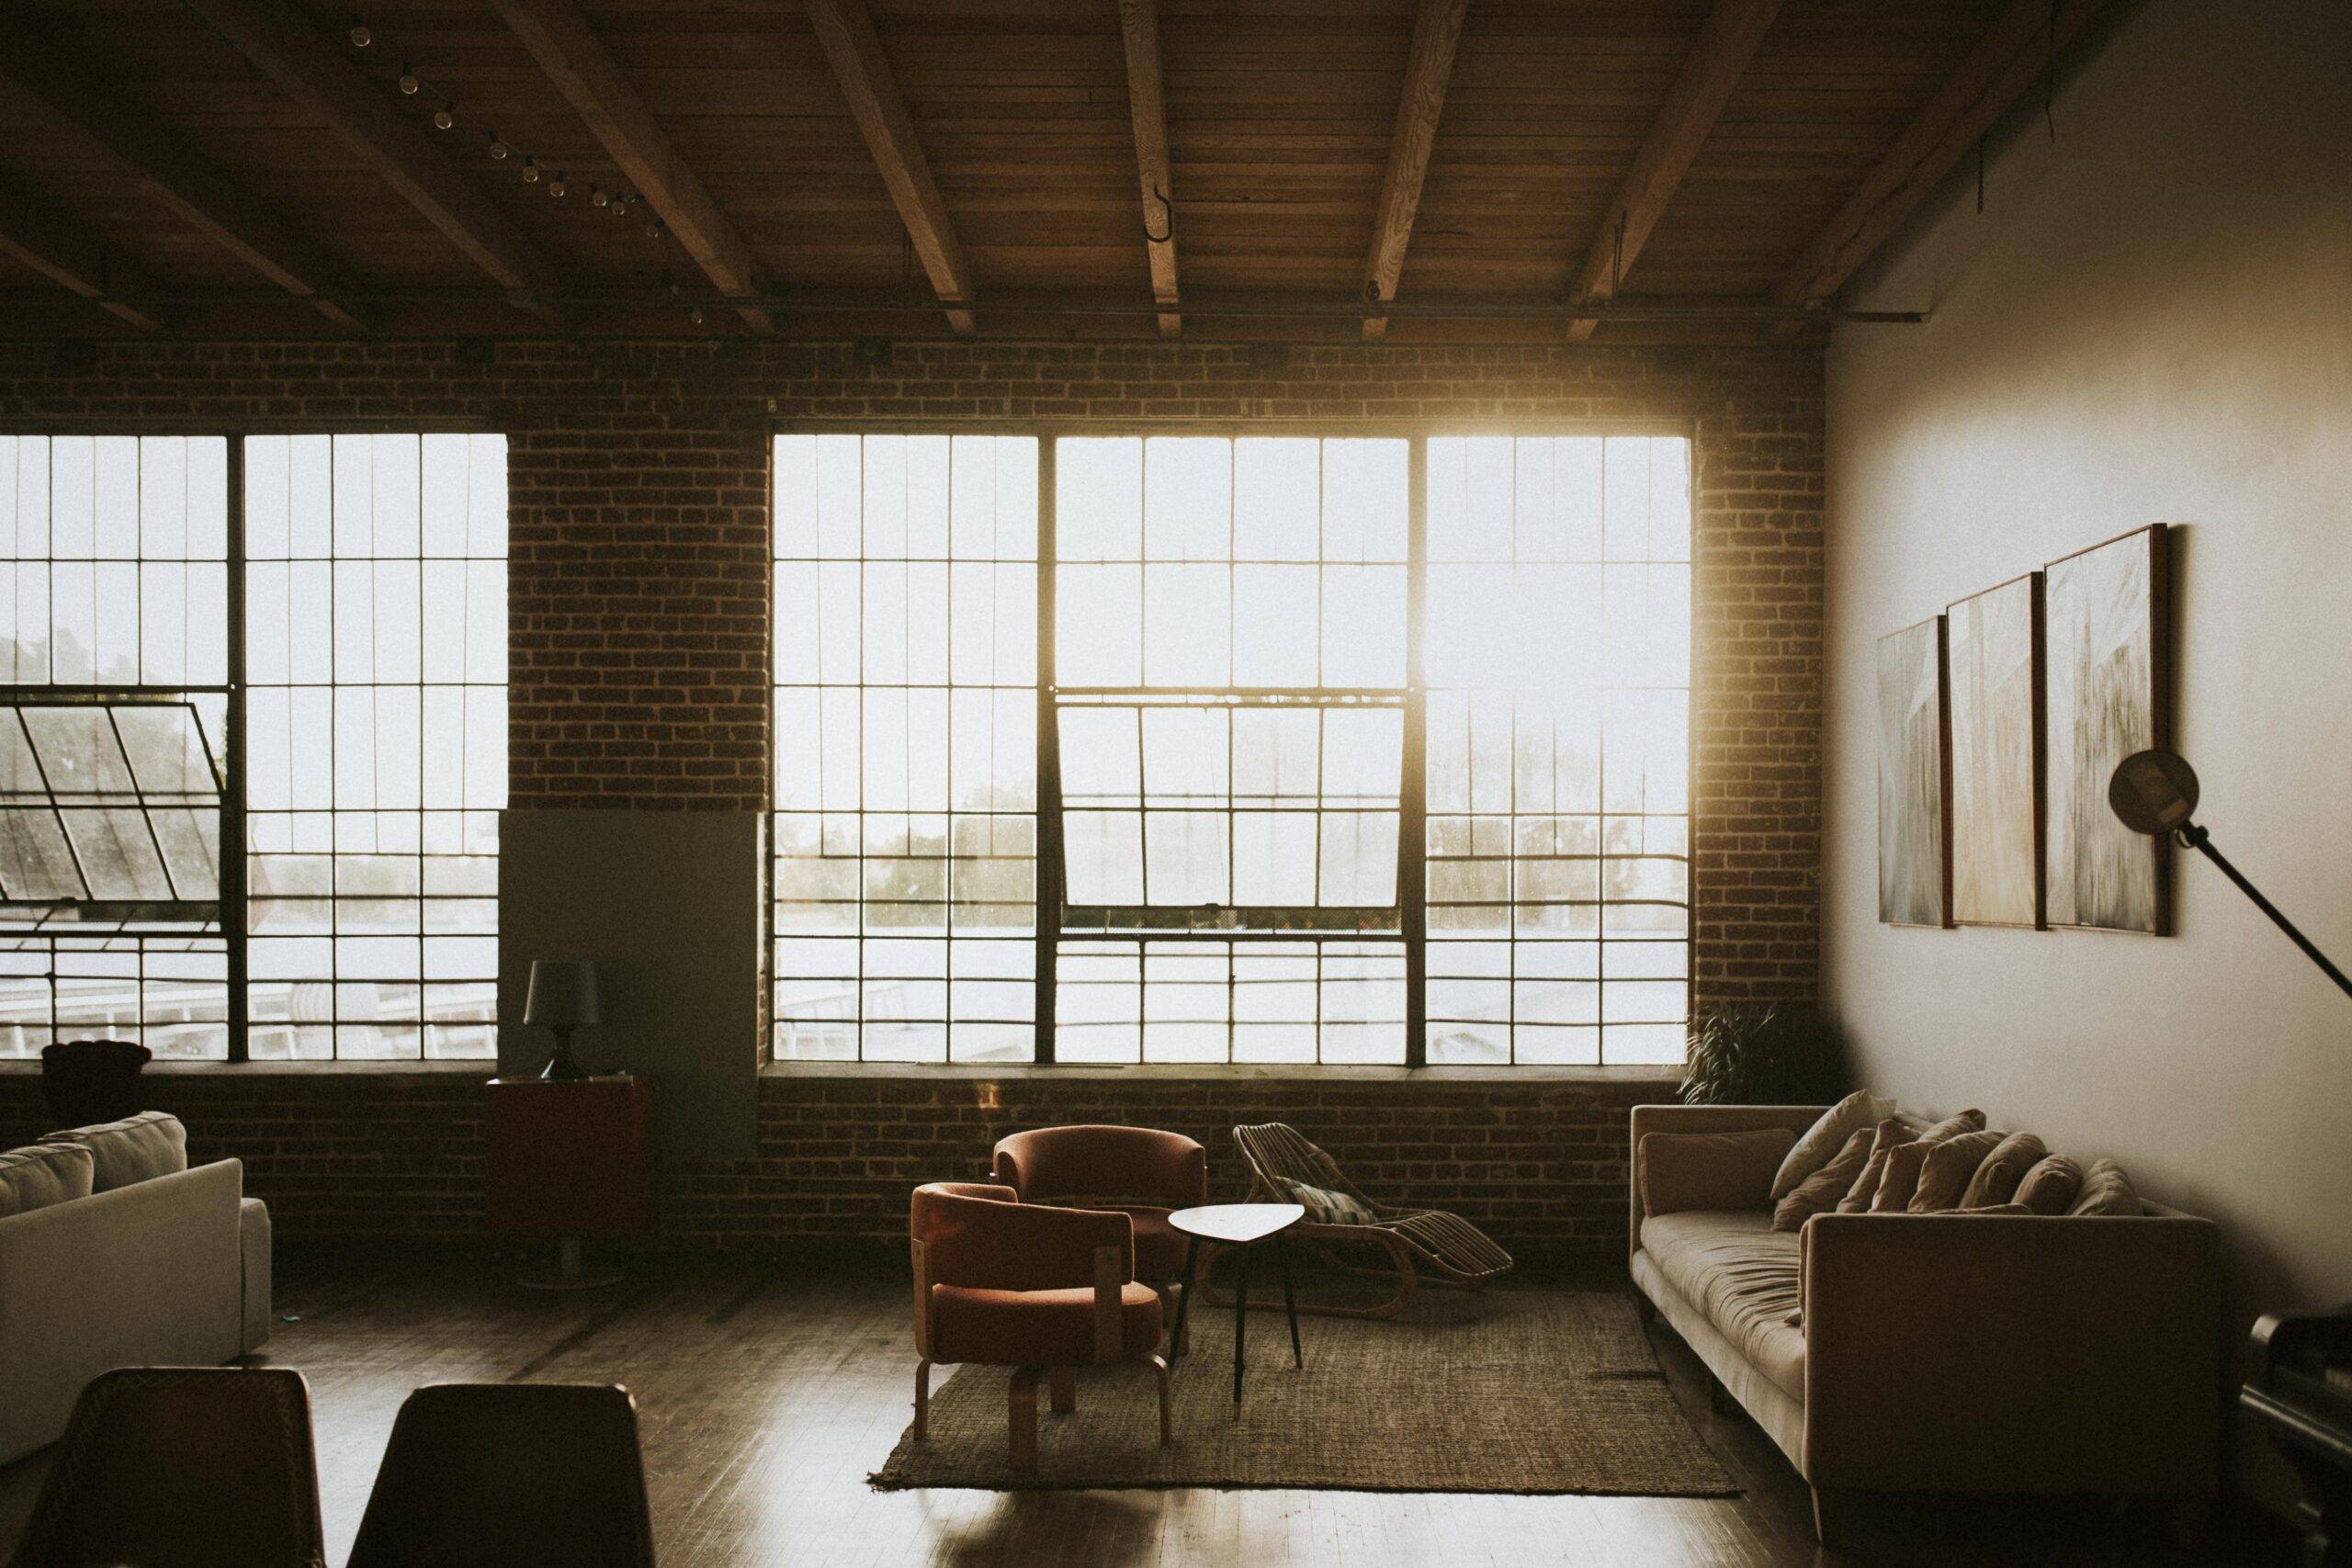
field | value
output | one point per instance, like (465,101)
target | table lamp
(562,996)
(2155,792)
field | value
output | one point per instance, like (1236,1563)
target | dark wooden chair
(182,1467)
(497,1475)
(87,1081)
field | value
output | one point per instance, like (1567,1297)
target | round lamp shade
(563,993)
(2153,792)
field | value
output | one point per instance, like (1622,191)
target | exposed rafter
(311,72)
(71,258)
(846,33)
(163,168)
(1437,31)
(1139,31)
(1726,42)
(576,61)
(2015,52)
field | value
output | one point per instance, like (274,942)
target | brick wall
(350,1156)
(639,587)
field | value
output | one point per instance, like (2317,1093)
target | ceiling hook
(1167,217)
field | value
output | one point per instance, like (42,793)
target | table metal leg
(1240,1319)
(1290,1303)
(1176,1346)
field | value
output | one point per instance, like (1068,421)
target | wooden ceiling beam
(583,71)
(2013,54)
(1140,32)
(845,31)
(74,258)
(159,164)
(1437,32)
(314,75)
(1718,59)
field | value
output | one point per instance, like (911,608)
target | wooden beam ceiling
(1140,32)
(312,73)
(576,61)
(1437,31)
(845,31)
(1718,59)
(160,164)
(71,258)
(2014,54)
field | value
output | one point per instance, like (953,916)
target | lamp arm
(2198,838)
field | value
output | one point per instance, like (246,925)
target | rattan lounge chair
(1446,1247)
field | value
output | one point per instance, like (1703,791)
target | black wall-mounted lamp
(2155,792)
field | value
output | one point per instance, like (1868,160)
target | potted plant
(1767,1054)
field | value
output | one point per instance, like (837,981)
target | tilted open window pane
(112,808)
(905,824)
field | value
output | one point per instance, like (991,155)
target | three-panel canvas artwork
(2000,723)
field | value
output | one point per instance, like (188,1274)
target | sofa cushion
(1708,1170)
(1997,1180)
(1818,1193)
(137,1148)
(1733,1267)
(41,1174)
(1953,1126)
(1891,1134)
(2107,1191)
(1826,1139)
(1949,1167)
(2050,1187)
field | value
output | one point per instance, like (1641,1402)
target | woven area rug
(1520,1390)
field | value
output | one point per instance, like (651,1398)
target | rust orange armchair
(1144,1174)
(1041,1290)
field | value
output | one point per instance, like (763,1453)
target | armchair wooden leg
(1167,1422)
(1021,1410)
(922,1400)
(1063,1381)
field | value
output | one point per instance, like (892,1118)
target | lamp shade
(563,993)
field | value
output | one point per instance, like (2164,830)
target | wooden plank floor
(767,1392)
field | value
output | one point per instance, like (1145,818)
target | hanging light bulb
(498,148)
(530,171)
(360,37)
(620,205)
(445,117)
(697,316)
(599,197)
(408,84)
(558,186)
(653,229)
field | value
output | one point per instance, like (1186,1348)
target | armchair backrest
(1104,1163)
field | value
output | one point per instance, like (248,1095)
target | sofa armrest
(1701,1119)
(253,1241)
(1959,1352)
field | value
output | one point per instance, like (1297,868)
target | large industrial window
(1350,749)
(289,650)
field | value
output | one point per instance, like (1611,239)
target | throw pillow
(1891,1135)
(1826,1139)
(1324,1207)
(1970,1121)
(2107,1191)
(1949,1165)
(41,1174)
(1709,1170)
(1901,1178)
(2050,1187)
(137,1148)
(1818,1193)
(1997,1180)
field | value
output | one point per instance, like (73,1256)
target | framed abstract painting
(1913,830)
(1994,645)
(2107,669)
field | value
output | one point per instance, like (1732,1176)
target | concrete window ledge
(1645,1076)
(30,1066)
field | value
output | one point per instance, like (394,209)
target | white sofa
(169,1268)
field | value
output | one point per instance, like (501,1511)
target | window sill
(30,1067)
(1647,1074)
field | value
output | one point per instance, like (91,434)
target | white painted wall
(2150,322)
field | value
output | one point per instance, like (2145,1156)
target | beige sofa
(164,1269)
(1945,1352)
